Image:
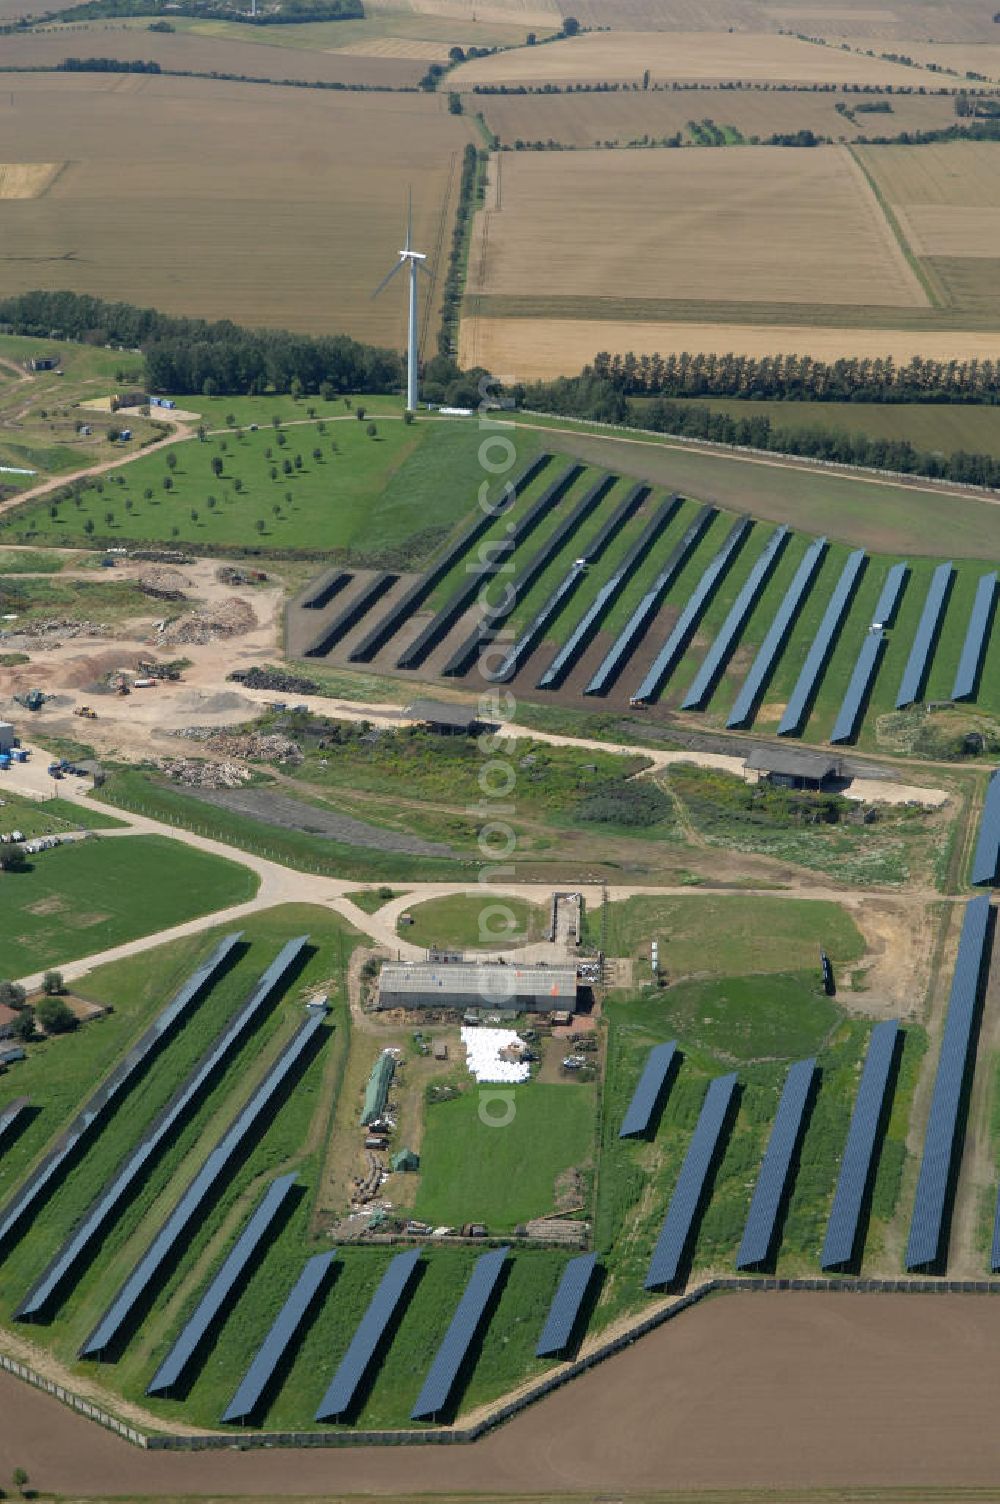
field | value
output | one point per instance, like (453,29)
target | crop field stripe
(10,1115)
(352,613)
(369,1335)
(857,1163)
(90,1116)
(609,592)
(943,1134)
(45,1290)
(677,1226)
(418,592)
(566,587)
(870,655)
(293,1313)
(673,649)
(493,617)
(719,653)
(566,1306)
(773,645)
(197,1192)
(822,646)
(976,633)
(643,614)
(918,663)
(769,1192)
(986,859)
(445,619)
(220,1291)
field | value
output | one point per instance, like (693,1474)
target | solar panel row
(492,559)
(821,646)
(986,859)
(980,621)
(583,632)
(349,616)
(858,1163)
(30,1193)
(306,1290)
(650,603)
(761,1226)
(869,656)
(763,665)
(45,1289)
(205,1183)
(648,1092)
(924,1248)
(411,599)
(666,659)
(222,1287)
(10,1115)
(918,663)
(497,612)
(566,1305)
(718,654)
(678,1224)
(465,1326)
(369,1335)
(568,585)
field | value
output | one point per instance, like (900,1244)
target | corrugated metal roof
(492,983)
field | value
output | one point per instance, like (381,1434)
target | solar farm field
(161,198)
(669,605)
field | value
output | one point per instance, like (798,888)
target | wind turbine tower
(413,259)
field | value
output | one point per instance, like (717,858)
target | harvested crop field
(946,196)
(164,196)
(625,116)
(27,179)
(529,349)
(738,223)
(188,51)
(683,55)
(903,1399)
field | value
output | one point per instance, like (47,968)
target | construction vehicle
(86,712)
(33,700)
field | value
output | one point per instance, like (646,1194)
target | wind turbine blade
(426,271)
(387,279)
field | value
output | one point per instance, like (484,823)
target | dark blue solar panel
(679,1221)
(10,1115)
(205,1182)
(465,1326)
(759,1233)
(868,658)
(857,1164)
(164,1126)
(646,1096)
(980,619)
(918,663)
(293,1313)
(718,654)
(567,586)
(220,1291)
(90,1116)
(565,1307)
(986,859)
(583,632)
(771,648)
(370,1332)
(666,659)
(650,603)
(822,645)
(927,1225)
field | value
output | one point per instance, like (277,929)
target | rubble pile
(260,746)
(229,618)
(196,774)
(231,574)
(49,632)
(275,679)
(165,584)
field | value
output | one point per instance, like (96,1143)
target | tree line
(290,11)
(106,65)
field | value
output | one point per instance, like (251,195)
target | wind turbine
(414,258)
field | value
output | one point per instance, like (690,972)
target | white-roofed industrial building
(471,984)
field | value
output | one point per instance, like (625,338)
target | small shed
(445,716)
(44,362)
(7,736)
(406,1159)
(440,1049)
(791,767)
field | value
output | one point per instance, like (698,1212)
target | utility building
(471,984)
(790,768)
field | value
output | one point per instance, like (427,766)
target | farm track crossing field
(162,198)
(746,222)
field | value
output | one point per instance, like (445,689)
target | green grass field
(80,899)
(487,921)
(472,1170)
(34,817)
(32,561)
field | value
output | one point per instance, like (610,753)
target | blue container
(4,759)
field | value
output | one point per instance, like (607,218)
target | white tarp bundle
(483,1046)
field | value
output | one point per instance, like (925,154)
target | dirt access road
(793,1391)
